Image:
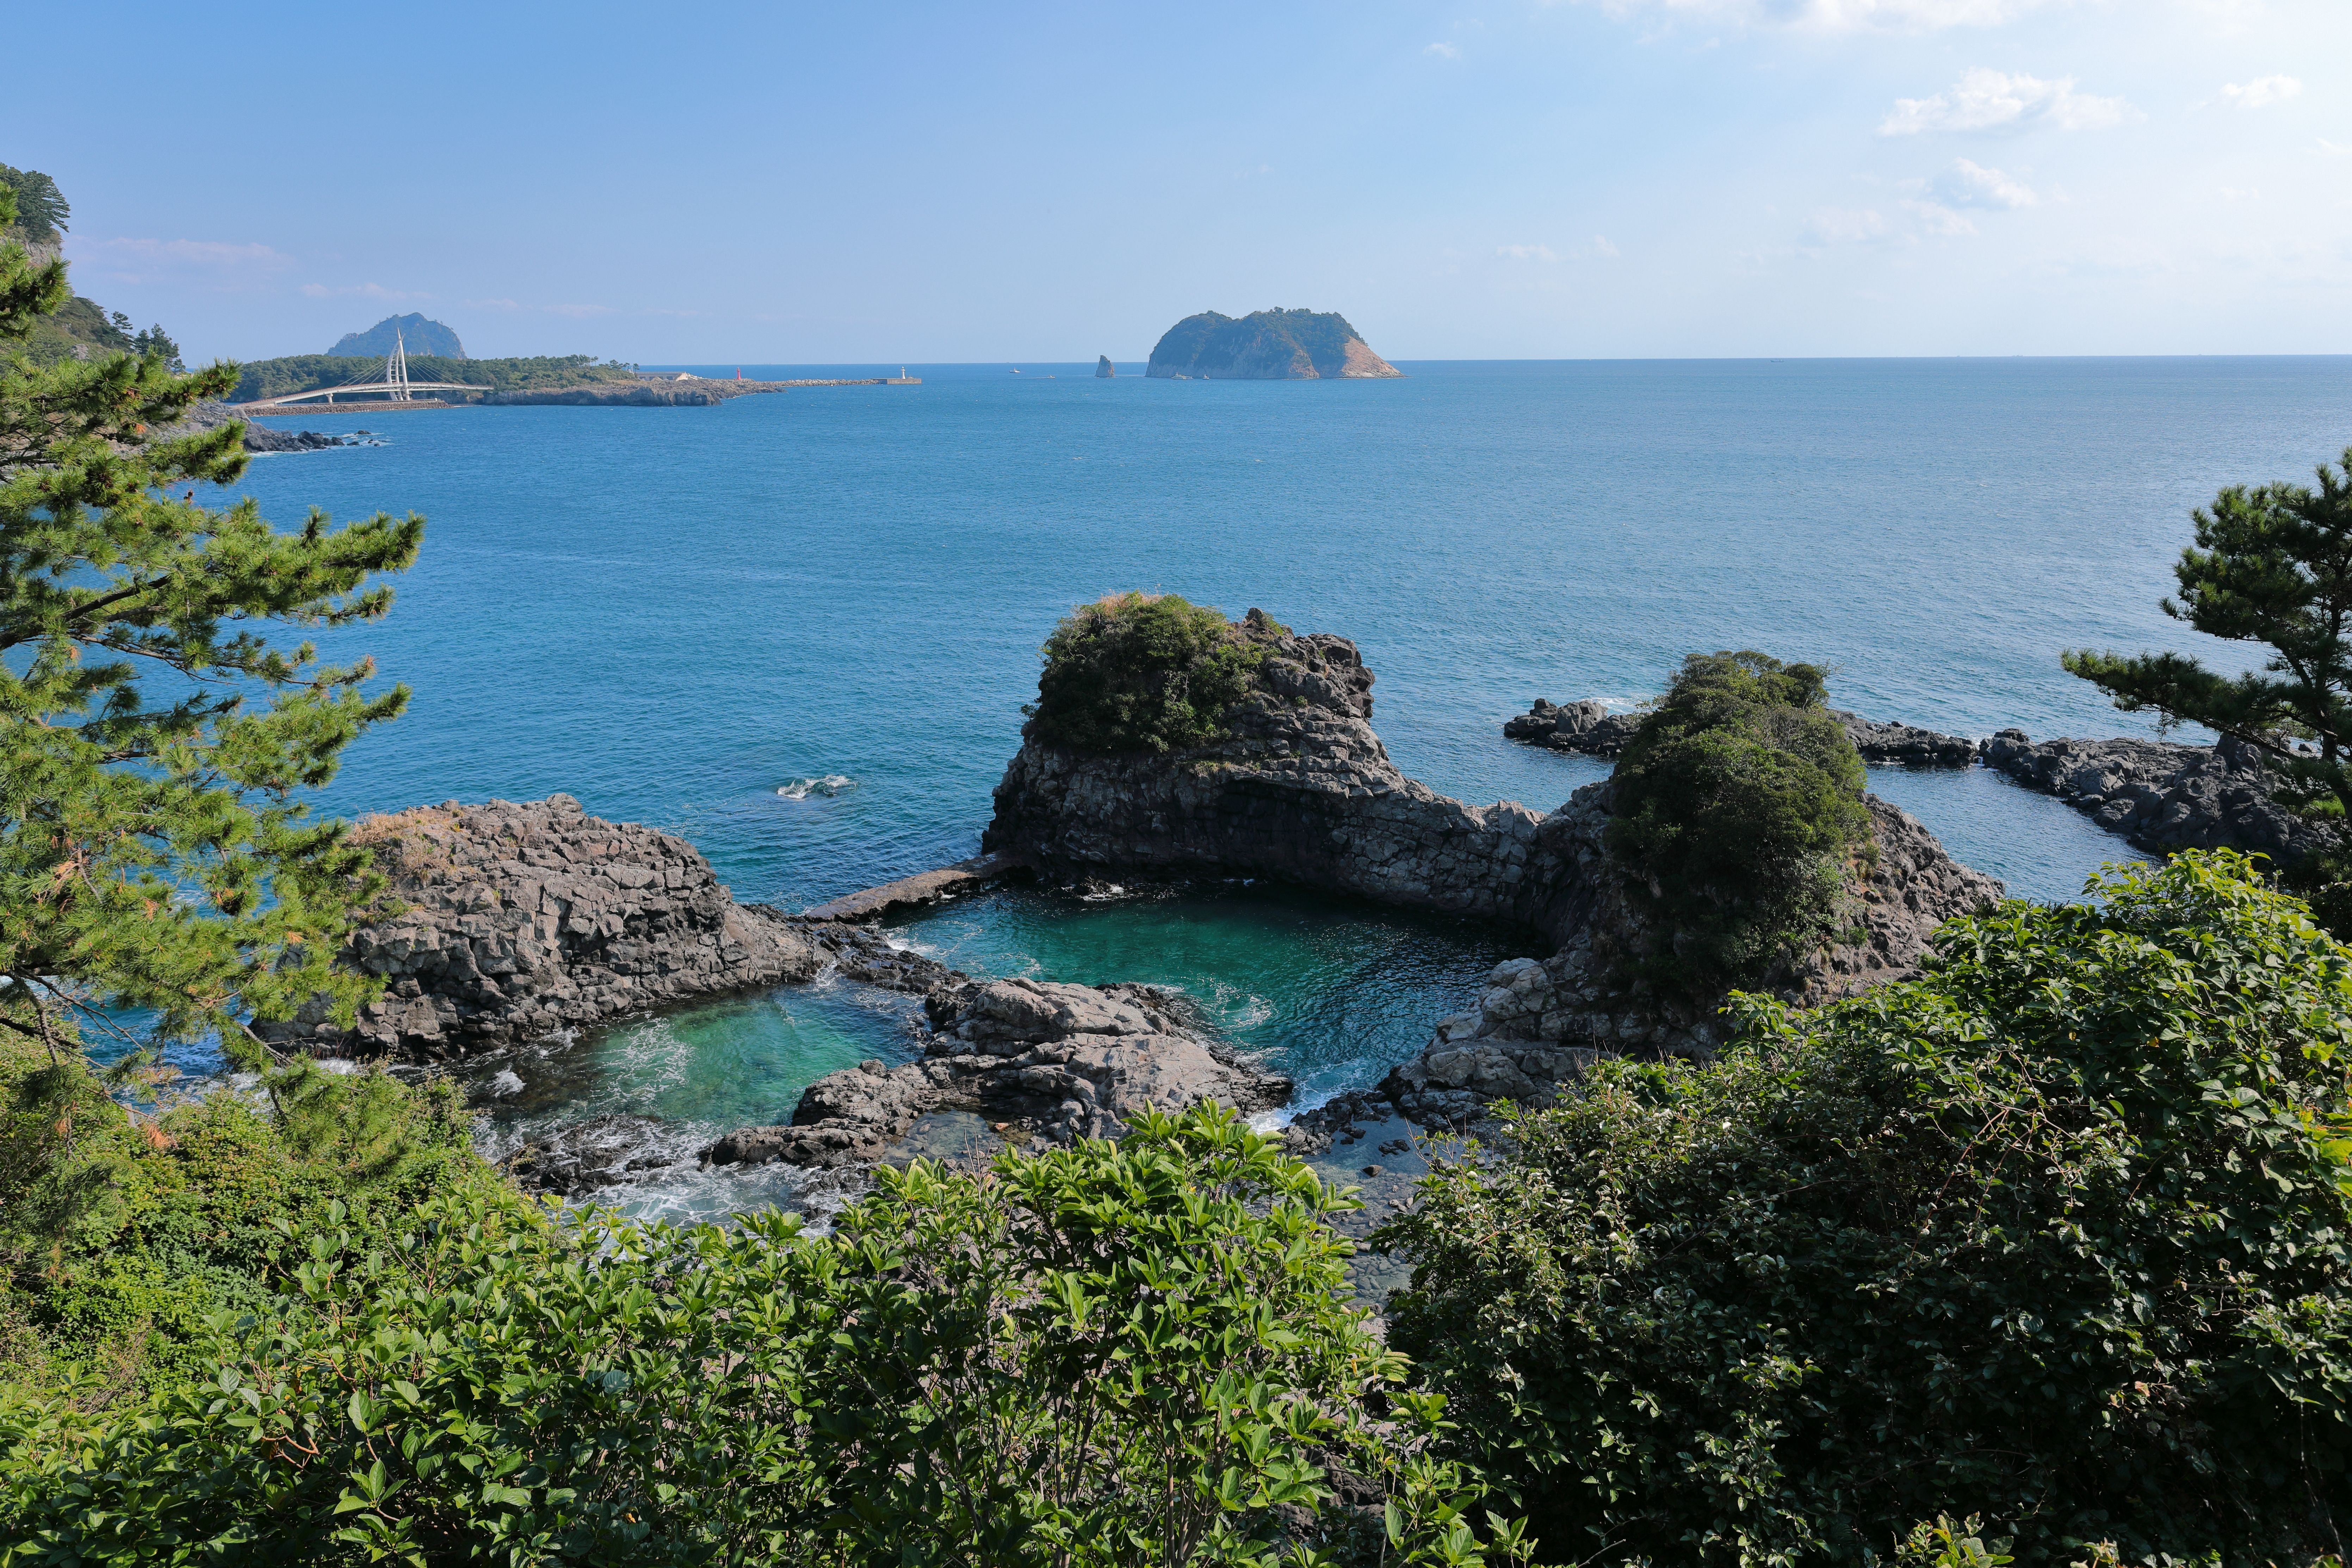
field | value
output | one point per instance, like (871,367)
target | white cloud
(2334,149)
(579,310)
(493,305)
(363,291)
(2262,92)
(1840,225)
(1528,252)
(1939,219)
(1996,101)
(1971,185)
(1838,16)
(1442,51)
(131,261)
(1601,246)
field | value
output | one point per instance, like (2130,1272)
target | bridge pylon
(395,369)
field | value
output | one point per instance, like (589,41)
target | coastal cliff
(516,921)
(1265,345)
(1299,787)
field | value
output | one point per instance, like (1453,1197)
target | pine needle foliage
(2271,565)
(1737,806)
(1141,672)
(154,736)
(2057,1235)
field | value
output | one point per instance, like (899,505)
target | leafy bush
(1738,805)
(1114,1354)
(121,1234)
(1141,672)
(2055,1235)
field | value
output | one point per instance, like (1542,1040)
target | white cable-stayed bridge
(394,386)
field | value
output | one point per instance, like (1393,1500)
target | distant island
(417,335)
(1265,345)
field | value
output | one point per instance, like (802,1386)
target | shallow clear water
(798,628)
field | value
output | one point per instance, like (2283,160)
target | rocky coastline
(2158,795)
(1590,729)
(514,921)
(511,920)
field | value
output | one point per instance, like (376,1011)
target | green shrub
(1139,1352)
(121,1233)
(2056,1234)
(1738,809)
(1141,672)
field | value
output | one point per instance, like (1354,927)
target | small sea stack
(1103,371)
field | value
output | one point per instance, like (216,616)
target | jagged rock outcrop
(262,439)
(1265,345)
(2159,794)
(1301,789)
(1590,727)
(1539,1022)
(1039,1060)
(1103,371)
(524,918)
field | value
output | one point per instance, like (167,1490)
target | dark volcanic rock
(1103,371)
(1304,789)
(1539,1024)
(589,1154)
(2160,796)
(261,439)
(1053,1062)
(1589,727)
(521,920)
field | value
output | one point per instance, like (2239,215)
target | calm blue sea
(798,628)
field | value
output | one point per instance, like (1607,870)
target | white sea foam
(505,1084)
(826,784)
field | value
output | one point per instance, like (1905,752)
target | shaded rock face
(1301,789)
(521,920)
(1041,1061)
(1539,1024)
(2159,795)
(587,1155)
(1589,727)
(1265,345)
(1103,371)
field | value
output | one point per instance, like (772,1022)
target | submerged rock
(587,1155)
(521,920)
(1042,1061)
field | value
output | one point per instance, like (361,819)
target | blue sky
(1585,178)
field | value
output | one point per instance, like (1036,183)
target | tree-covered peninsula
(1265,345)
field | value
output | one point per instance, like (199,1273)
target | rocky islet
(514,921)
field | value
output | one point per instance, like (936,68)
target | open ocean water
(798,628)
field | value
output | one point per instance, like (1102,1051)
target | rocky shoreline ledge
(514,921)
(2159,795)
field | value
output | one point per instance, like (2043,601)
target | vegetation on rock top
(2270,566)
(1738,809)
(1141,672)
